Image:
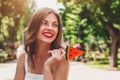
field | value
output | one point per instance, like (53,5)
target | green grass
(102,63)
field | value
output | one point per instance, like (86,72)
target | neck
(41,50)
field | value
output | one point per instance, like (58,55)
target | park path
(7,70)
(78,71)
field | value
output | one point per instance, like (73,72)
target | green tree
(111,20)
(98,20)
(13,17)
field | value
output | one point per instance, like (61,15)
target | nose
(49,27)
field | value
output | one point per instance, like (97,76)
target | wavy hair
(32,30)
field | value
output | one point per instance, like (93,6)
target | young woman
(44,57)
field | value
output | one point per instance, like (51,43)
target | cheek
(56,32)
(39,33)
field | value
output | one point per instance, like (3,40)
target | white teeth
(48,34)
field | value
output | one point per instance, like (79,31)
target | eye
(55,25)
(44,23)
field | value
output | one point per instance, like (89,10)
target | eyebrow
(53,21)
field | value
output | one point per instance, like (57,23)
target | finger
(50,53)
(62,51)
(56,52)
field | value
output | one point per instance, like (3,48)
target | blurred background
(89,25)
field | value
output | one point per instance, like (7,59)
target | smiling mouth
(48,34)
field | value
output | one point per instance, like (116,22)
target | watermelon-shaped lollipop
(72,52)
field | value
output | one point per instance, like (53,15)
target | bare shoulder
(21,57)
(20,69)
(21,60)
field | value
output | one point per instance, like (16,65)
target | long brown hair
(32,30)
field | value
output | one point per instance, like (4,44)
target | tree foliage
(13,17)
(92,22)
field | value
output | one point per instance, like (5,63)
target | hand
(56,56)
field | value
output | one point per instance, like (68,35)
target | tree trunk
(13,30)
(113,55)
(114,45)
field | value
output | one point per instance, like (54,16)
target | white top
(31,76)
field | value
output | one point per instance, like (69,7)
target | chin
(47,41)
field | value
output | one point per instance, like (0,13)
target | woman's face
(48,29)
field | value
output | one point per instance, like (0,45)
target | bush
(3,55)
